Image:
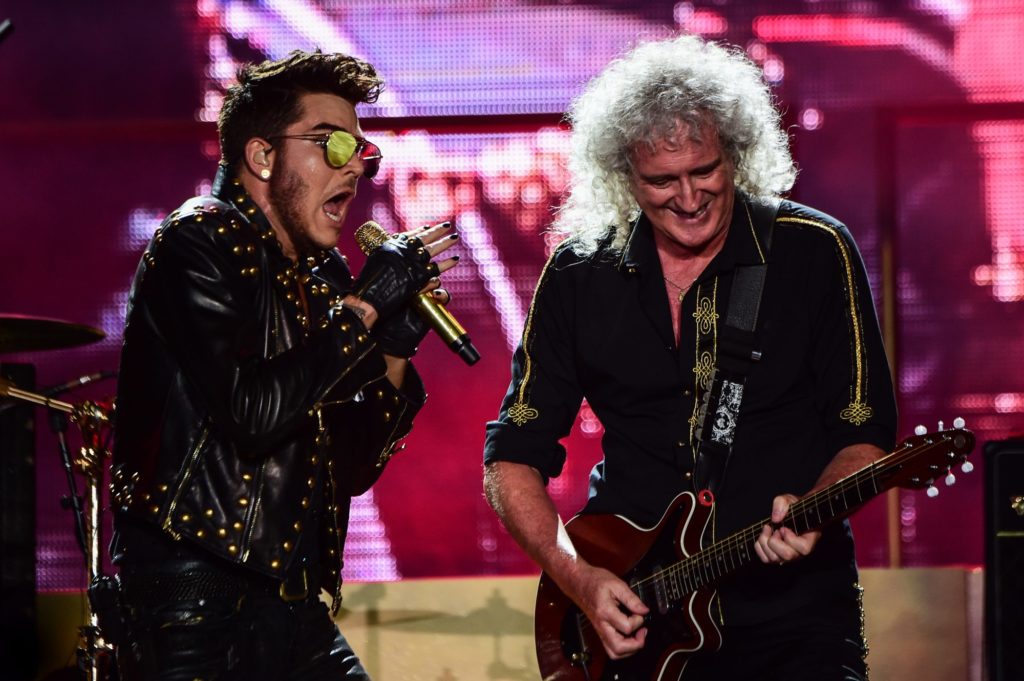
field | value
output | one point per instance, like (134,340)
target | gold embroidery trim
(705,315)
(863,633)
(520,412)
(753,232)
(858,411)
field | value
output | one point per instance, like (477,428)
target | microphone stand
(94,653)
(93,420)
(72,502)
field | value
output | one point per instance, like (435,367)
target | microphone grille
(370,236)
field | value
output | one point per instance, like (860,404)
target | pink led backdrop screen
(906,121)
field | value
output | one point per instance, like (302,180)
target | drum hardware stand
(95,654)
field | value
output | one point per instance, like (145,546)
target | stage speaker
(19,647)
(1004,560)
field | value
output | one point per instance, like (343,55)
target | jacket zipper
(190,463)
(254,510)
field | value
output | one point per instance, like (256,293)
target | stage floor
(920,624)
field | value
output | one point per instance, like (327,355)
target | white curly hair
(650,94)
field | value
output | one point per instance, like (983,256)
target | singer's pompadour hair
(265,100)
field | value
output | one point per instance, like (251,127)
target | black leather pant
(188,624)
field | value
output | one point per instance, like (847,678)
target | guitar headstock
(921,460)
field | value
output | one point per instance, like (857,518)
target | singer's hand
(437,239)
(401,334)
(402,266)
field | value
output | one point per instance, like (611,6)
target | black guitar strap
(720,406)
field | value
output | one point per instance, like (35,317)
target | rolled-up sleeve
(848,360)
(544,395)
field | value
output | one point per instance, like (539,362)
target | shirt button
(680,444)
(687,392)
(687,475)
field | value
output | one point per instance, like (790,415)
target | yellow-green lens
(340,147)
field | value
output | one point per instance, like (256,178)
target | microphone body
(370,236)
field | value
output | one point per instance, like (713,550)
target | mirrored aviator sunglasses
(341,146)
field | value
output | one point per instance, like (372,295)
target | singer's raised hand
(398,267)
(401,335)
(437,239)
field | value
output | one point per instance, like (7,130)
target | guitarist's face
(684,184)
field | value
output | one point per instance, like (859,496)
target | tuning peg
(950,480)
(942,426)
(920,430)
(967,466)
(959,422)
(932,491)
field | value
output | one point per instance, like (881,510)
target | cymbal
(22,333)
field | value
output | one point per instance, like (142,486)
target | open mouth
(335,206)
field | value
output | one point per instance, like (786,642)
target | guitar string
(711,563)
(744,537)
(710,558)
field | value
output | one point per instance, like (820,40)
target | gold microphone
(370,236)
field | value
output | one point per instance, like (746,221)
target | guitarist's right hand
(611,606)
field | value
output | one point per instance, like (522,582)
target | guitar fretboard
(670,585)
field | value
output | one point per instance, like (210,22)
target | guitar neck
(810,513)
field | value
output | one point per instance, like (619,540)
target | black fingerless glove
(401,333)
(393,274)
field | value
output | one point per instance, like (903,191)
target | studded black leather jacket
(246,389)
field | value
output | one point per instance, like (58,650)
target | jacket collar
(228,188)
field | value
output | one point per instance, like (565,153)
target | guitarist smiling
(727,341)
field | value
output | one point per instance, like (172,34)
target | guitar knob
(959,422)
(920,430)
(942,426)
(967,466)
(950,480)
(932,492)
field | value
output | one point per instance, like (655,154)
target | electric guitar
(670,572)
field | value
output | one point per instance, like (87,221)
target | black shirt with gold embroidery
(600,328)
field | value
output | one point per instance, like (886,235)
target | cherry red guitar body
(568,648)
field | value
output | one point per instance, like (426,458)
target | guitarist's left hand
(780,545)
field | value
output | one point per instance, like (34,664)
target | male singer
(261,387)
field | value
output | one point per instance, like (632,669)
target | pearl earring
(265,173)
